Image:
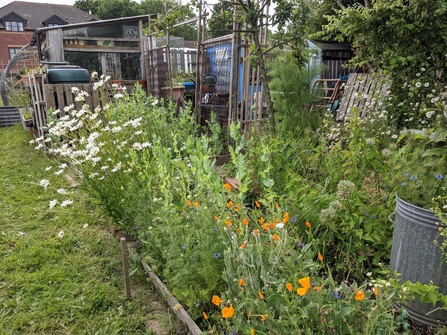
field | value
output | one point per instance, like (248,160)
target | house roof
(332,45)
(37,13)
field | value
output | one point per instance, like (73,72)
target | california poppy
(257,204)
(228,312)
(216,300)
(320,257)
(375,290)
(261,295)
(275,237)
(188,202)
(241,282)
(308,225)
(289,287)
(359,295)
(305,283)
(205,316)
(245,221)
(285,218)
(227,186)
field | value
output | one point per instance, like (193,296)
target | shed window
(14,26)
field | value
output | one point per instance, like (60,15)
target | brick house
(19,20)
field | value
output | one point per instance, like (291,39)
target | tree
(221,20)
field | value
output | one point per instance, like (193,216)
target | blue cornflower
(406,174)
(294,219)
(439,176)
(216,255)
(197,303)
(413,177)
(299,245)
(404,184)
(372,216)
(184,246)
(336,294)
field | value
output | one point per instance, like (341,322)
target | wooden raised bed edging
(175,306)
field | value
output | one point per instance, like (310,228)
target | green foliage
(406,40)
(220,22)
(291,92)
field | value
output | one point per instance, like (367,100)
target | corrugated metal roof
(36,13)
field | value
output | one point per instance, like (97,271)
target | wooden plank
(175,306)
(125,260)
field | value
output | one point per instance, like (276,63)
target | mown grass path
(60,271)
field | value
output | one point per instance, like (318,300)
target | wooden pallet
(359,91)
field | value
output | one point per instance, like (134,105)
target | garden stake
(125,267)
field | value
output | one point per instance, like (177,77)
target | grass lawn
(61,270)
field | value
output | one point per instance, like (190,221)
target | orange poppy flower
(261,220)
(241,282)
(257,204)
(228,312)
(196,204)
(264,317)
(245,221)
(285,218)
(275,237)
(308,225)
(318,288)
(276,205)
(205,316)
(271,225)
(216,300)
(227,186)
(264,226)
(375,290)
(305,283)
(261,295)
(320,257)
(216,218)
(289,287)
(230,204)
(252,331)
(243,245)
(238,230)
(256,232)
(359,295)
(188,202)
(228,223)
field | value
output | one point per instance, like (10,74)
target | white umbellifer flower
(85,226)
(57,173)
(48,168)
(57,111)
(138,132)
(118,96)
(53,203)
(61,234)
(62,191)
(155,103)
(45,183)
(94,74)
(65,203)
(21,233)
(145,145)
(116,129)
(105,167)
(280,225)
(75,90)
